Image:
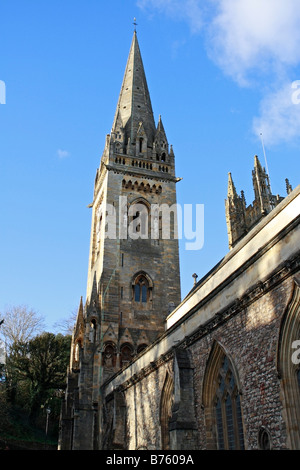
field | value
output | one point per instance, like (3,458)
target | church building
(219,369)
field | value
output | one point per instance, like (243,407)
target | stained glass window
(228,410)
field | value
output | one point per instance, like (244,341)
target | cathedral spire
(134,104)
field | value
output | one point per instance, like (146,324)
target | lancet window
(228,410)
(142,289)
(222,404)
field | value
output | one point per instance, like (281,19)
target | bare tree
(66,325)
(20,324)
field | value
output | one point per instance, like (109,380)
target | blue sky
(219,73)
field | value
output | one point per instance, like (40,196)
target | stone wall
(246,310)
(250,339)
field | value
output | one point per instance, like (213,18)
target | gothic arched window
(228,410)
(221,399)
(141,289)
(288,366)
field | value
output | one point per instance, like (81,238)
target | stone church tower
(133,272)
(241,218)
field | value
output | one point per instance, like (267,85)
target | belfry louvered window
(228,410)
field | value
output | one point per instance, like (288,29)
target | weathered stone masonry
(250,338)
(217,370)
(248,330)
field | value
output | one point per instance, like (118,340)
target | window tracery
(221,399)
(142,289)
(228,410)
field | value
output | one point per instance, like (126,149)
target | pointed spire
(161,146)
(160,131)
(94,293)
(240,218)
(257,163)
(262,188)
(78,328)
(80,313)
(231,191)
(258,167)
(134,104)
(235,213)
(160,127)
(80,309)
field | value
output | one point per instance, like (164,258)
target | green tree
(1,357)
(40,365)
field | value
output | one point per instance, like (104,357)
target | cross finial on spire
(135,24)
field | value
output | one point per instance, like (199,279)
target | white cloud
(279,119)
(257,43)
(63,153)
(254,36)
(254,42)
(243,36)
